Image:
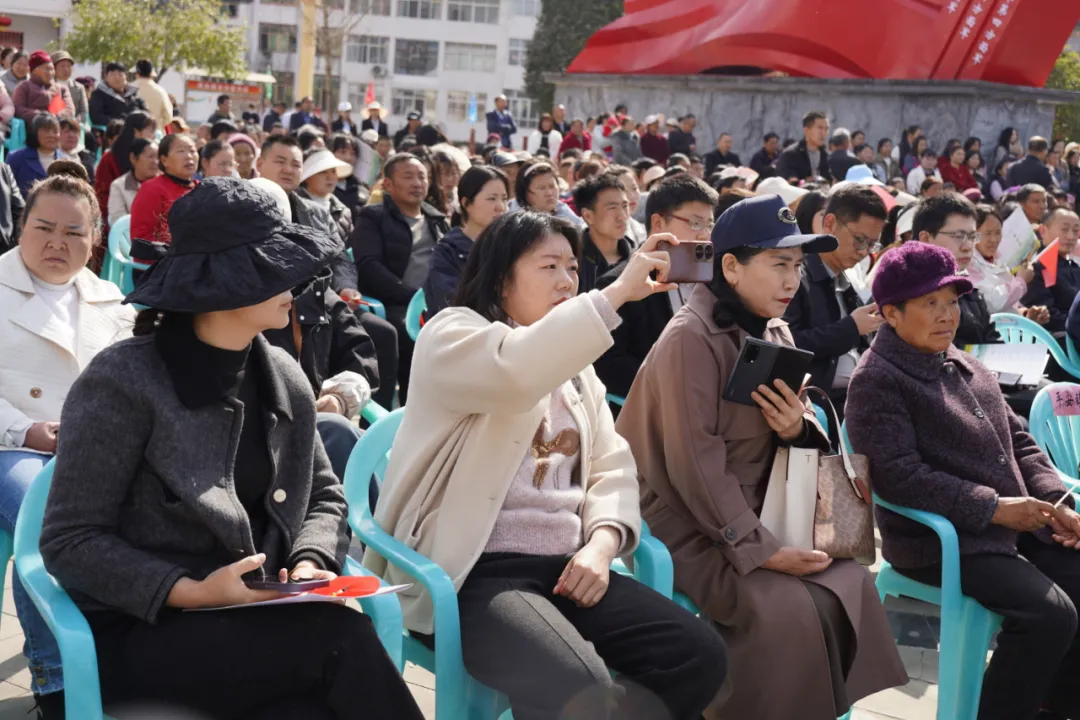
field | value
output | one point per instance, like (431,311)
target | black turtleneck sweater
(204,375)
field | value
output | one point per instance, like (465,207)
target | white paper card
(310,597)
(1028,360)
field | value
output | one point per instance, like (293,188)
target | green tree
(169,33)
(561,32)
(1066,76)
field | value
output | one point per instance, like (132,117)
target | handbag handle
(853,477)
(835,419)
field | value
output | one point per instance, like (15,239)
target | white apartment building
(431,56)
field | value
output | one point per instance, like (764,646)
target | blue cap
(766,222)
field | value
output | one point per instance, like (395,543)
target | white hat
(654,173)
(322,161)
(903,199)
(650,119)
(277,192)
(780,186)
(344,107)
(373,108)
(369,136)
(905,220)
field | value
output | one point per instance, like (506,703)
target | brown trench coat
(704,464)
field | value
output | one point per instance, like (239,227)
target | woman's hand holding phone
(783,410)
(636,281)
(221,588)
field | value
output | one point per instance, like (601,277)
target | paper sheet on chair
(310,598)
(1027,360)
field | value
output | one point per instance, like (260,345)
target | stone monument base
(750,107)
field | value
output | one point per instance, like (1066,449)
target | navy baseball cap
(765,222)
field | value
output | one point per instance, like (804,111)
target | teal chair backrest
(119,253)
(1058,435)
(82,692)
(414,314)
(1018,329)
(16,135)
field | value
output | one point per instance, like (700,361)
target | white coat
(37,363)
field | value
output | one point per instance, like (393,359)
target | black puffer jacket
(331,338)
(106,104)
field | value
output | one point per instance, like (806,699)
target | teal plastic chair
(966,626)
(82,689)
(17,135)
(370,304)
(458,696)
(1018,329)
(1057,435)
(414,314)
(118,267)
(616,399)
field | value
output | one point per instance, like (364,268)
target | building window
(283,87)
(370,7)
(457,105)
(404,101)
(277,38)
(10,38)
(519,50)
(480,11)
(334,4)
(358,91)
(325,96)
(369,49)
(421,9)
(527,8)
(469,58)
(525,110)
(280,2)
(416,57)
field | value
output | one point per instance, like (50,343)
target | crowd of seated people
(232,402)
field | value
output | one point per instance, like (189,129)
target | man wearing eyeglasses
(827,315)
(680,205)
(949,222)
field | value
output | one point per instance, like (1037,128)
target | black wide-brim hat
(231,248)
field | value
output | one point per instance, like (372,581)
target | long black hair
(121,147)
(491,262)
(729,308)
(809,206)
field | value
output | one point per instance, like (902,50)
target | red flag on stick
(1048,258)
(57,105)
(369,96)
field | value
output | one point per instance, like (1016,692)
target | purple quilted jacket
(941,438)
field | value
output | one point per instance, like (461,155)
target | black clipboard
(762,363)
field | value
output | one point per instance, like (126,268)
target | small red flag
(369,96)
(57,104)
(1048,258)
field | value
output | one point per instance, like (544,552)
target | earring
(158,319)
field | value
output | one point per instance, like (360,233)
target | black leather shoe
(51,706)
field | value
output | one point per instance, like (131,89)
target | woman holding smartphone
(188,464)
(704,466)
(508,474)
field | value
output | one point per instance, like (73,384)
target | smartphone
(763,363)
(289,588)
(691,260)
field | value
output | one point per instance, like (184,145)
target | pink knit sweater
(541,514)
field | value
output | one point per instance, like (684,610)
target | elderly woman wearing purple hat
(941,438)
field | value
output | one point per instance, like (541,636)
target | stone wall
(750,107)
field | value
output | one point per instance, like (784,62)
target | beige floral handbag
(821,502)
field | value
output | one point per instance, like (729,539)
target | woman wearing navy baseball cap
(704,465)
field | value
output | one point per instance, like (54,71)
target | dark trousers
(315,661)
(396,315)
(1037,660)
(385,338)
(553,658)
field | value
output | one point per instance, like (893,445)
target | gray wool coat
(143,491)
(940,438)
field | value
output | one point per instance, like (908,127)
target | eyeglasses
(961,237)
(696,224)
(862,242)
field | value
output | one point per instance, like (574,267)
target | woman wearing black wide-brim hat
(189,462)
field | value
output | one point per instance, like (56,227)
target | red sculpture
(1004,41)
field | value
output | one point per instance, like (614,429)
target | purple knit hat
(915,269)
